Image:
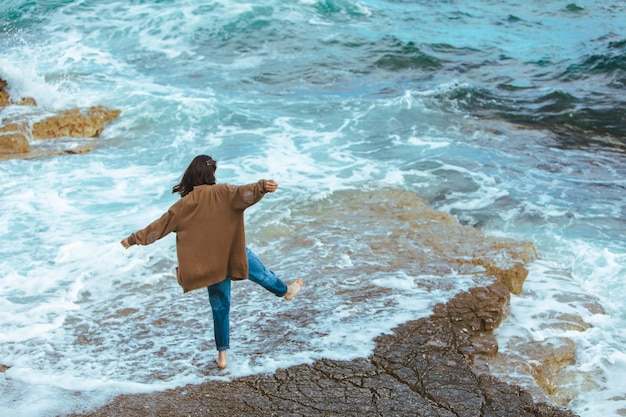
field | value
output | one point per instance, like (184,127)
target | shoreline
(425,368)
(428,366)
(432,366)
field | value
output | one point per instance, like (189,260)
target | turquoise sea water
(509,115)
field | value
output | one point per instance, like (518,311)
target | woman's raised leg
(260,274)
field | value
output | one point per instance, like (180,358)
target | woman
(210,241)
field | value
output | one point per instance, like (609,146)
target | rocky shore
(432,366)
(423,369)
(27,131)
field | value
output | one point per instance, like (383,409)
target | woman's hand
(125,243)
(270,186)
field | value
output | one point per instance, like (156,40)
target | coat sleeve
(243,196)
(155,230)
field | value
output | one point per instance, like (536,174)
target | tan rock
(13,143)
(12,127)
(545,362)
(16,132)
(401,224)
(557,320)
(13,140)
(552,355)
(4,95)
(512,276)
(73,123)
(4,98)
(28,101)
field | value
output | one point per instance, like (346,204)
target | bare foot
(293,289)
(221,359)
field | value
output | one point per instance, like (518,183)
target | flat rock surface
(422,369)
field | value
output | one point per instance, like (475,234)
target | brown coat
(210,233)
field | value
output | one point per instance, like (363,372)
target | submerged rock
(28,134)
(399,226)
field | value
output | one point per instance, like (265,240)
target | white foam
(430,142)
(554,289)
(83,319)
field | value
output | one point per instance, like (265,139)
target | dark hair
(200,171)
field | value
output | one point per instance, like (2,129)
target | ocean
(509,115)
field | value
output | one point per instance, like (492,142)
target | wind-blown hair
(200,171)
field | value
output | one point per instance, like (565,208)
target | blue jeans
(219,297)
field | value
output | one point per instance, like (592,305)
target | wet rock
(4,95)
(28,135)
(512,276)
(445,375)
(74,123)
(405,227)
(422,369)
(4,98)
(28,101)
(556,354)
(12,141)
(547,366)
(433,366)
